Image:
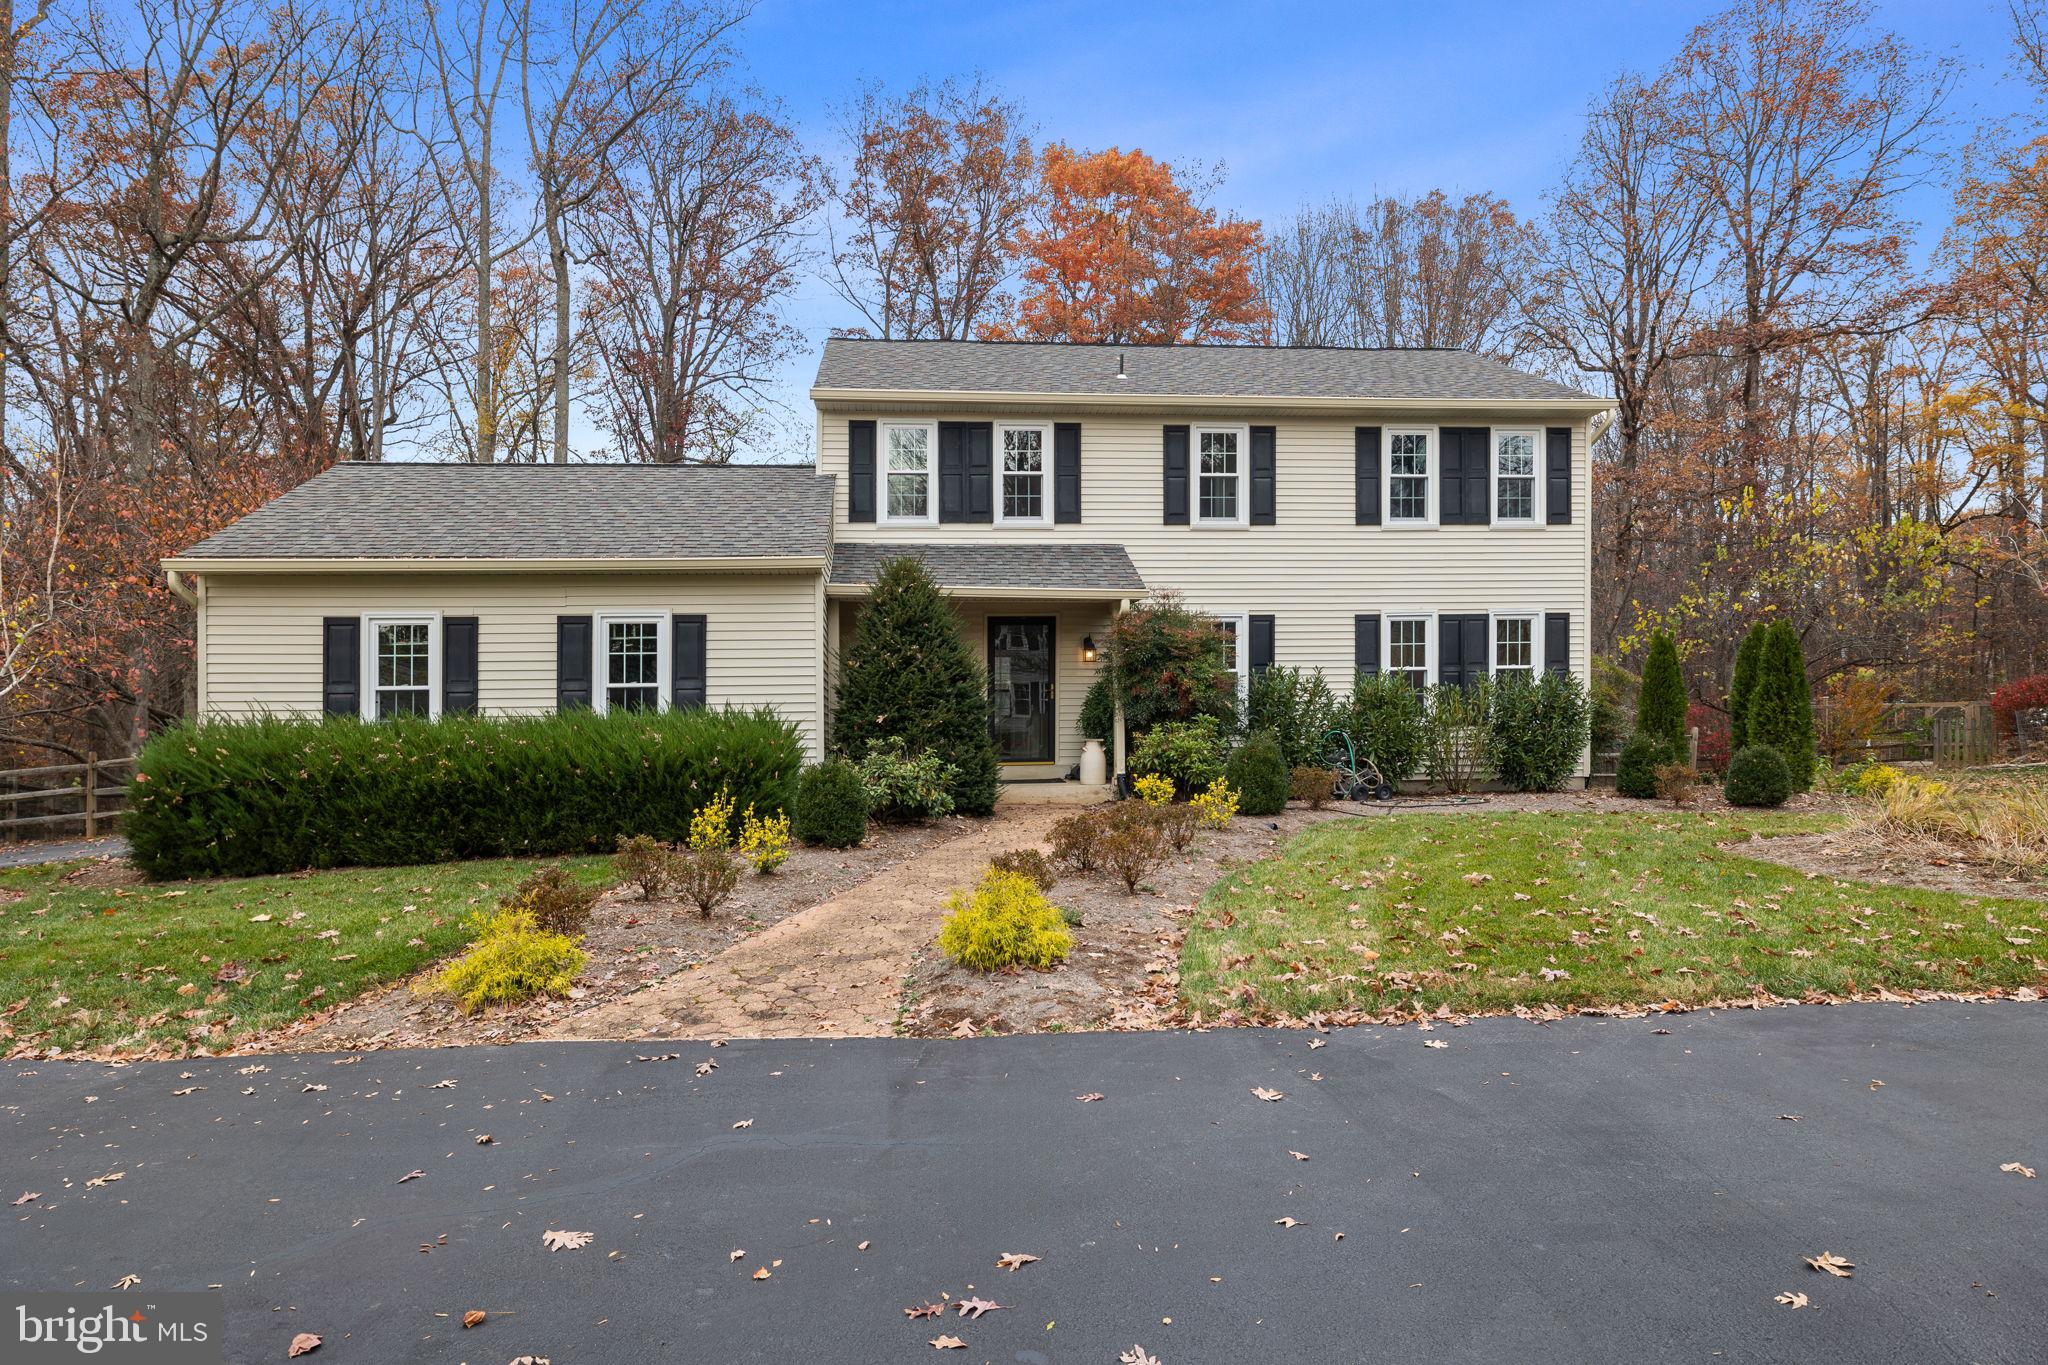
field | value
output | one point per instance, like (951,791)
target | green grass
(84,968)
(1473,910)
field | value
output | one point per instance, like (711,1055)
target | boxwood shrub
(1758,775)
(274,794)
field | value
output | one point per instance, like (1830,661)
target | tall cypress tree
(1781,708)
(908,675)
(1748,659)
(1661,703)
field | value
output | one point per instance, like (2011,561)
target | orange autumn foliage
(1124,253)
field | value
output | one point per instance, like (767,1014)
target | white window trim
(1243,476)
(1431,481)
(1535,620)
(1243,626)
(1536,475)
(1045,485)
(1429,650)
(931,472)
(600,634)
(366,692)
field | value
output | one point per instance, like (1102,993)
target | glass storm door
(1020,687)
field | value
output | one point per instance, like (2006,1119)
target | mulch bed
(631,943)
(1860,855)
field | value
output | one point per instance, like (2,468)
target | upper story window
(402,667)
(1411,483)
(1408,649)
(1514,477)
(631,662)
(909,452)
(1220,475)
(1023,494)
(1514,645)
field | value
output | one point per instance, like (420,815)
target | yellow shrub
(711,826)
(1004,922)
(512,960)
(1874,779)
(1217,804)
(1154,789)
(764,843)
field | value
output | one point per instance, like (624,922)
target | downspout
(1598,426)
(175,581)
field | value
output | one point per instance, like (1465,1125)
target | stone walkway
(833,971)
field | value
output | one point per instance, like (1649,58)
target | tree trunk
(558,255)
(486,360)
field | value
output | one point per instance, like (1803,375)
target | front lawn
(1487,912)
(183,966)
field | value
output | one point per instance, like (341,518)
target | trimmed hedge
(1636,773)
(242,798)
(1259,774)
(831,805)
(1758,776)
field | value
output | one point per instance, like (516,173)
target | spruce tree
(1661,703)
(1748,659)
(1781,708)
(908,675)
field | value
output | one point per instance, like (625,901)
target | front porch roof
(1052,569)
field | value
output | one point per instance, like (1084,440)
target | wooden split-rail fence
(86,798)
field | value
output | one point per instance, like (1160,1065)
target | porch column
(1117,740)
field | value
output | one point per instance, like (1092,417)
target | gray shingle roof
(1177,371)
(514,512)
(1053,564)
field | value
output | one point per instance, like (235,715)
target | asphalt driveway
(1587,1191)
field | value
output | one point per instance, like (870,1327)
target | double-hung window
(1408,649)
(910,453)
(1235,651)
(1221,458)
(1514,646)
(632,662)
(1514,478)
(1411,482)
(1023,498)
(403,666)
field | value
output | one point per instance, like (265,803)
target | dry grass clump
(2001,824)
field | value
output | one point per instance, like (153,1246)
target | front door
(1020,687)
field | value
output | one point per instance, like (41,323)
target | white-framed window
(908,470)
(1411,476)
(1222,465)
(1514,645)
(632,663)
(1407,649)
(1517,492)
(402,665)
(1025,495)
(1237,637)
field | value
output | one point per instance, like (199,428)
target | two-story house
(1424,512)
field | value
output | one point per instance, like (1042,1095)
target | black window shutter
(1461,649)
(341,666)
(1066,472)
(1450,477)
(1464,484)
(1365,640)
(952,471)
(1450,664)
(687,682)
(1479,477)
(860,471)
(1265,483)
(1367,440)
(1176,476)
(981,504)
(458,665)
(1558,470)
(1557,642)
(1261,644)
(573,648)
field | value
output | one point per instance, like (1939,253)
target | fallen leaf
(763,1273)
(2013,1167)
(1315,1043)
(412,1175)
(128,1282)
(531,1360)
(27,1195)
(946,1343)
(1090,1097)
(975,1307)
(1789,1118)
(737,1254)
(302,1343)
(863,1246)
(442,1085)
(558,1240)
(1792,1300)
(312,1090)
(1010,1260)
(743,1123)
(1833,1264)
(1270,1096)
(473,1318)
(1286,1222)
(1436,1042)
(1137,1356)
(706,1068)
(188,1090)
(929,1310)
(109,1178)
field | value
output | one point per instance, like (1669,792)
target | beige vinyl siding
(1315,569)
(260,633)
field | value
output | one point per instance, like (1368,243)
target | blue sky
(1298,101)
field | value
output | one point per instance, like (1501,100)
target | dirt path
(833,971)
